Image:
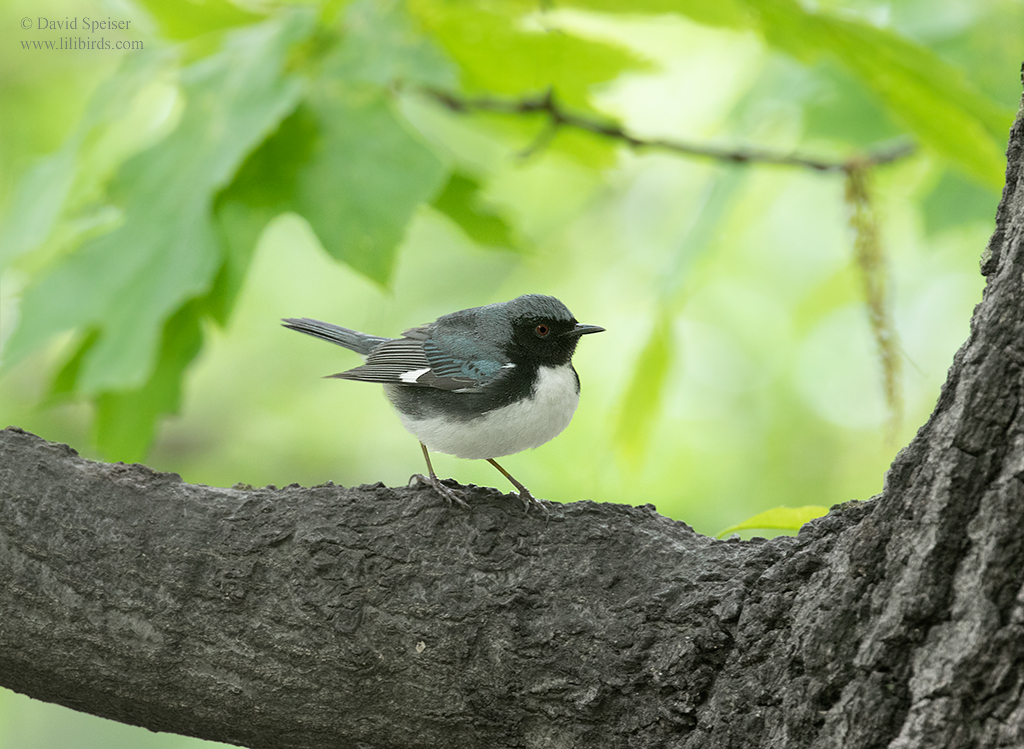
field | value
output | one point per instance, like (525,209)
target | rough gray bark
(378,617)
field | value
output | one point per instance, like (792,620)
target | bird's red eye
(542,330)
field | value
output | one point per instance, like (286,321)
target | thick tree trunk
(378,617)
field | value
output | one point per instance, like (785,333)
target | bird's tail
(353,340)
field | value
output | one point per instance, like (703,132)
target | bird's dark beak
(582,329)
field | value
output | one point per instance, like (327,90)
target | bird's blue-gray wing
(418,360)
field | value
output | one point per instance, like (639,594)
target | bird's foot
(449,494)
(529,501)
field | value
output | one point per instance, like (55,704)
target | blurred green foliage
(163,208)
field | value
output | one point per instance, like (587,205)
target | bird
(480,383)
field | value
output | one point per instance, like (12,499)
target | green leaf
(66,380)
(382,46)
(343,159)
(185,20)
(839,106)
(462,202)
(129,281)
(239,227)
(37,204)
(643,396)
(366,179)
(68,181)
(500,52)
(777,518)
(126,419)
(261,190)
(269,176)
(930,97)
(725,13)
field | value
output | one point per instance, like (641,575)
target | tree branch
(559,117)
(366,616)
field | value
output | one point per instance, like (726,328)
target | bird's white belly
(527,423)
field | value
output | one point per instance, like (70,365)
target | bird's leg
(524,494)
(449,494)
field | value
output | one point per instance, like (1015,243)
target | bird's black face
(547,341)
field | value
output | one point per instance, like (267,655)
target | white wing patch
(413,375)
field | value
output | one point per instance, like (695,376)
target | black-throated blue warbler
(480,383)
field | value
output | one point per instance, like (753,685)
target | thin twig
(558,117)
